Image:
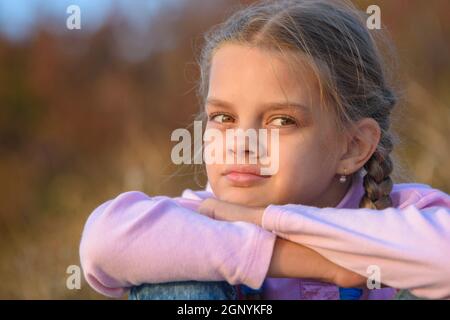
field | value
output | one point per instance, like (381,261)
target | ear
(359,146)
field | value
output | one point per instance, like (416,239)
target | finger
(206,208)
(190,204)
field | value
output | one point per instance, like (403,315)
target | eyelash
(284,117)
(214,114)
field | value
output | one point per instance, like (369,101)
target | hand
(222,210)
(348,279)
(294,260)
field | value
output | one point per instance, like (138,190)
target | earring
(343,178)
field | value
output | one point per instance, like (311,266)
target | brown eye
(282,121)
(221,118)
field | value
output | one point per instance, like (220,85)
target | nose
(243,143)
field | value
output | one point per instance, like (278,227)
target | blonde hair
(344,56)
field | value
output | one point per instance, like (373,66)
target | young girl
(327,219)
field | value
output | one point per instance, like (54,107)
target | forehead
(249,74)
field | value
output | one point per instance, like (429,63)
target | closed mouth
(244,175)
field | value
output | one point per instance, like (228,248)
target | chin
(243,196)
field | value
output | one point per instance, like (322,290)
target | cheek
(303,167)
(216,180)
(298,155)
(213,172)
(297,168)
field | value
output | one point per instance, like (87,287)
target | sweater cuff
(279,218)
(271,218)
(260,260)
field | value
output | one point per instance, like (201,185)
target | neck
(334,194)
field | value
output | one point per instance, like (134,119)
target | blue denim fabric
(406,295)
(184,290)
(350,293)
(247,291)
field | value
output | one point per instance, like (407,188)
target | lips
(244,175)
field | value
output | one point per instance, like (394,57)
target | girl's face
(250,88)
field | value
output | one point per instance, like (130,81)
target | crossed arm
(124,237)
(289,259)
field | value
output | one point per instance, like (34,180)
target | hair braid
(377,182)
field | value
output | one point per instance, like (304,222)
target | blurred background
(87,114)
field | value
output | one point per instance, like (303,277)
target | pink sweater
(135,239)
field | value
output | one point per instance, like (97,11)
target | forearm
(405,245)
(137,239)
(292,260)
(289,259)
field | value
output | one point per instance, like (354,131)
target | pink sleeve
(410,244)
(135,239)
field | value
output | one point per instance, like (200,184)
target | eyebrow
(271,105)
